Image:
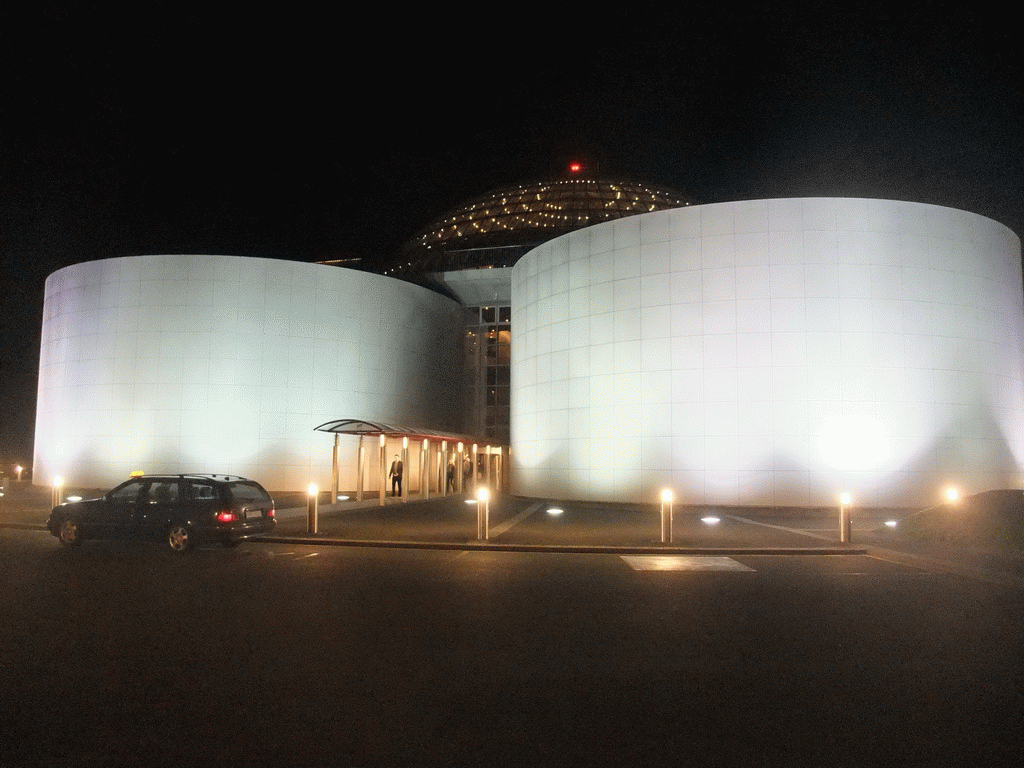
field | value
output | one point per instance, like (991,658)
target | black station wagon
(181,510)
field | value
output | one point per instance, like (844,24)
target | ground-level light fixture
(952,495)
(666,515)
(555,510)
(18,470)
(891,523)
(483,513)
(58,490)
(312,513)
(711,520)
(844,517)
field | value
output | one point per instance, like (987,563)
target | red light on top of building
(575,167)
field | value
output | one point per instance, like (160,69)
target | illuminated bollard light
(311,509)
(844,518)
(666,516)
(58,491)
(483,513)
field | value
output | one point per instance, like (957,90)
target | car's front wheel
(179,537)
(69,534)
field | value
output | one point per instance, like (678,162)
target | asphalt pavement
(436,651)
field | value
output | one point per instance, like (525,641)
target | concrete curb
(490,546)
(487,546)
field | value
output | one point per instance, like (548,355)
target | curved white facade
(226,364)
(770,352)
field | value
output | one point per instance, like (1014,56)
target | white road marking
(500,529)
(799,531)
(683,563)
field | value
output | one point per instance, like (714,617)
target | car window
(202,491)
(249,493)
(164,492)
(135,491)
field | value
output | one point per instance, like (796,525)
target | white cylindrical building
(226,364)
(770,352)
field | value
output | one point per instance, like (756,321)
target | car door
(117,519)
(161,504)
(204,499)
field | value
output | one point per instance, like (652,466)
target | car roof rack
(205,476)
(193,476)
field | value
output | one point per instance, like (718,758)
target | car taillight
(227,516)
(271,512)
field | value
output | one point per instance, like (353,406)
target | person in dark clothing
(396,476)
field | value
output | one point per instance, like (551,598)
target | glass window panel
(136,490)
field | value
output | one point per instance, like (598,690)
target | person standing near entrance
(450,477)
(396,475)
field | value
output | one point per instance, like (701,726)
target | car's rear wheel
(69,534)
(179,537)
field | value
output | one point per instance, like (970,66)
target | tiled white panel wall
(771,352)
(226,364)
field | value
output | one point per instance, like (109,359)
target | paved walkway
(527,525)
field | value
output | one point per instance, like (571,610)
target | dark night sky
(306,136)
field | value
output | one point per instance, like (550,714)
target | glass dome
(495,229)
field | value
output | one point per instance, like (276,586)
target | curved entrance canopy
(361,427)
(479,461)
